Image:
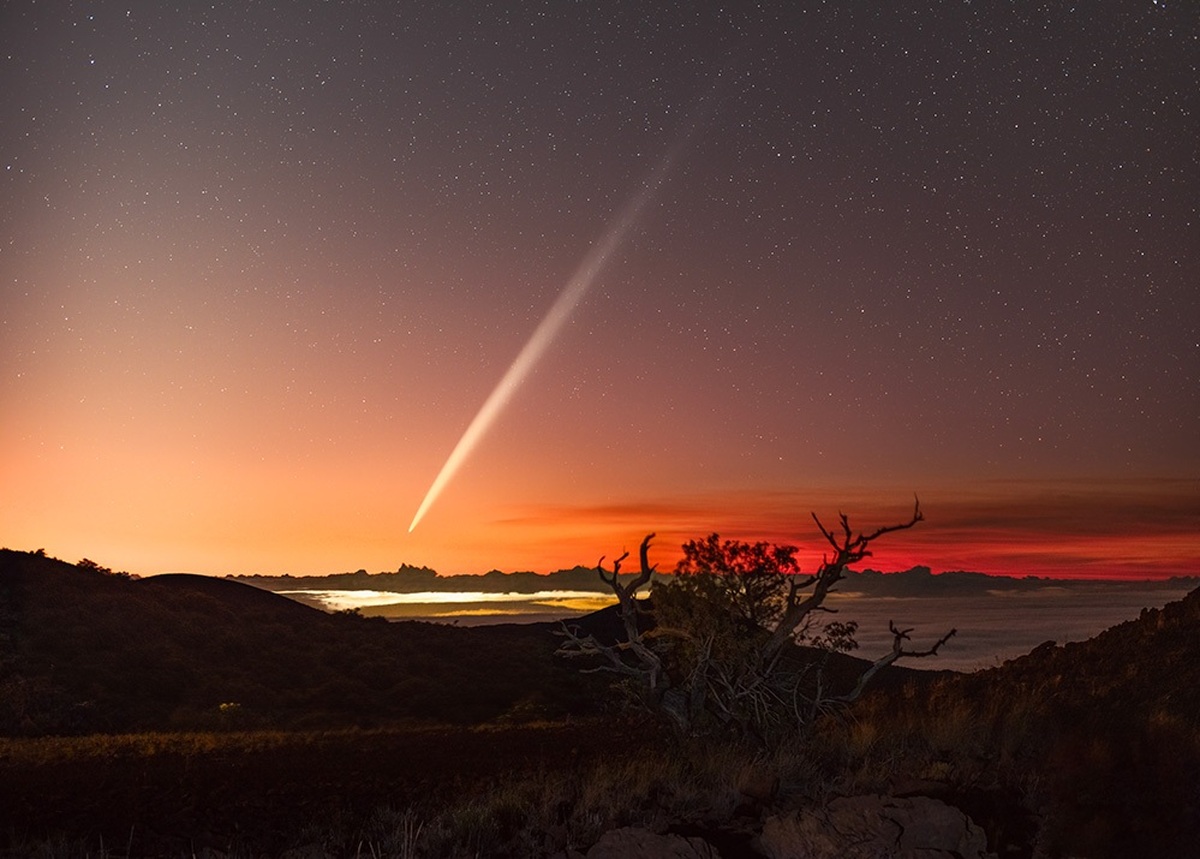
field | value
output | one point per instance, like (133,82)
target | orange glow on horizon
(1068,529)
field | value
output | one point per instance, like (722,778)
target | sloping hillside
(84,650)
(1144,667)
(1099,740)
(87,650)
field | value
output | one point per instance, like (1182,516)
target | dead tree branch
(848,548)
(647,665)
(899,636)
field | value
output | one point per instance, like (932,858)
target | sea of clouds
(993,624)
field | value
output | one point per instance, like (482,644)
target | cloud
(1085,528)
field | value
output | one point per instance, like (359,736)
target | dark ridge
(1101,737)
(409,579)
(185,586)
(1149,665)
(82,650)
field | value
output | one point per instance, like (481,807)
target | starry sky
(262,263)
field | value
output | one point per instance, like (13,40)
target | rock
(758,783)
(634,843)
(875,827)
(907,787)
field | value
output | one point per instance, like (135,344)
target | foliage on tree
(739,637)
(92,566)
(748,581)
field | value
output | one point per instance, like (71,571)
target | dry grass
(945,739)
(57,750)
(566,801)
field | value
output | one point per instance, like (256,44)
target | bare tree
(848,548)
(632,657)
(692,660)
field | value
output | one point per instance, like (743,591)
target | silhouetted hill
(87,650)
(921,581)
(1100,738)
(176,588)
(84,650)
(1147,666)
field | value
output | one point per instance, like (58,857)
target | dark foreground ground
(259,793)
(1037,789)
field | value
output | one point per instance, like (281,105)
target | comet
(585,275)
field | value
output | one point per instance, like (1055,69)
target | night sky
(262,263)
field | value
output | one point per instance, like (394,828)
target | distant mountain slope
(914,582)
(409,579)
(923,582)
(83,650)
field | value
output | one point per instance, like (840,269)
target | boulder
(874,827)
(758,783)
(636,843)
